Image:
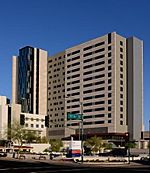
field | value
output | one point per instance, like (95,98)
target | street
(32,166)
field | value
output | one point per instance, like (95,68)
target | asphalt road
(30,166)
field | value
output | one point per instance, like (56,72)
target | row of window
(86,48)
(32,119)
(34,125)
(56,125)
(59,63)
(59,108)
(95,122)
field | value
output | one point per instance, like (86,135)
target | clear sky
(54,25)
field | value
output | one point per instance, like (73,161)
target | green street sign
(71,116)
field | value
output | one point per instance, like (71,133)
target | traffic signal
(47,121)
(22,119)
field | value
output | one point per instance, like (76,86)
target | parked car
(3,154)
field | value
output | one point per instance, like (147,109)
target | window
(121,102)
(121,109)
(87,72)
(99,63)
(121,75)
(109,61)
(99,102)
(109,87)
(121,122)
(88,85)
(100,82)
(109,38)
(121,115)
(109,54)
(99,44)
(121,95)
(87,66)
(26,125)
(109,81)
(87,110)
(121,88)
(99,115)
(99,76)
(121,49)
(37,126)
(100,96)
(87,117)
(76,81)
(87,60)
(109,101)
(121,43)
(100,50)
(87,48)
(99,89)
(88,91)
(100,69)
(73,94)
(121,69)
(109,94)
(109,74)
(109,115)
(109,121)
(99,122)
(32,125)
(121,56)
(109,108)
(121,82)
(99,57)
(121,62)
(87,54)
(86,79)
(73,59)
(109,67)
(88,104)
(109,47)
(100,109)
(87,123)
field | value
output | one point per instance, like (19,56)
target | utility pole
(82,132)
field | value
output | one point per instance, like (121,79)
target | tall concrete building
(56,95)
(97,77)
(29,80)
(135,87)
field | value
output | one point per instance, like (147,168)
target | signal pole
(82,132)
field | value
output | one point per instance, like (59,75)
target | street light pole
(82,152)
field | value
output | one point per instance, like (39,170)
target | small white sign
(75,145)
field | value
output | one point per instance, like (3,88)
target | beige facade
(4,106)
(56,95)
(95,77)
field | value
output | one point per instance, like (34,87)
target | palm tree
(128,146)
(95,143)
(56,144)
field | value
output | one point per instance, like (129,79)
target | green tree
(128,146)
(95,143)
(55,144)
(44,139)
(30,136)
(17,133)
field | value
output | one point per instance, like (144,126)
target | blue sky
(54,25)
